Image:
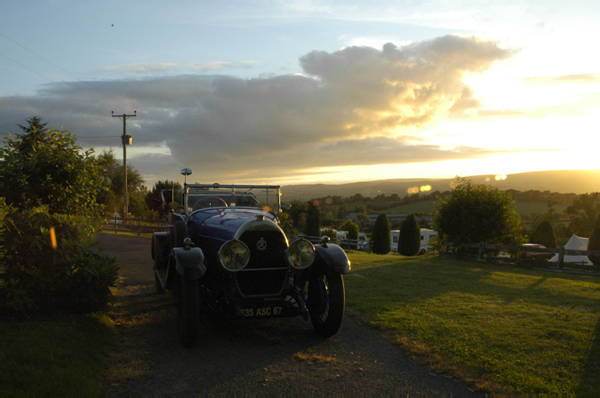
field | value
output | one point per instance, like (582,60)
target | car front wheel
(188,311)
(326,303)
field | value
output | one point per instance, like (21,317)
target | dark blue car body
(226,256)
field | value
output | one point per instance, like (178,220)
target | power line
(106,136)
(53,64)
(39,56)
(29,69)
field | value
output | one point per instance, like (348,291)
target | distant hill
(562,181)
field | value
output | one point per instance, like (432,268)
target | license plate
(259,312)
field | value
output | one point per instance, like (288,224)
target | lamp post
(127,140)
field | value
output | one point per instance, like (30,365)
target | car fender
(190,258)
(160,246)
(333,258)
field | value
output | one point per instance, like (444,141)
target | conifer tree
(313,220)
(594,242)
(544,234)
(409,241)
(381,235)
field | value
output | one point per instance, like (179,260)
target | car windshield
(266,197)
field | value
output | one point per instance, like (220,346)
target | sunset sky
(301,92)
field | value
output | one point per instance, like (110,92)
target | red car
(535,255)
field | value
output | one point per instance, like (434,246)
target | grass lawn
(62,356)
(500,328)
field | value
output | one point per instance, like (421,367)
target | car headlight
(234,255)
(300,254)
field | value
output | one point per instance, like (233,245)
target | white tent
(575,243)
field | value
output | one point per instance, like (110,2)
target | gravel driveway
(282,356)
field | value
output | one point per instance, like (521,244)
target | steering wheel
(210,201)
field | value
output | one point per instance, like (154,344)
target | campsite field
(499,328)
(428,207)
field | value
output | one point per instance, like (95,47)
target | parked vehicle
(535,255)
(225,256)
(363,242)
(426,235)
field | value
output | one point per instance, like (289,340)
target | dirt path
(280,356)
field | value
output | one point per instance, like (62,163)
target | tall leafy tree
(477,212)
(409,241)
(47,167)
(153,198)
(584,210)
(113,177)
(381,235)
(362,217)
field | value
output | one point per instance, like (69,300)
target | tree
(47,167)
(544,234)
(361,216)
(352,228)
(297,215)
(34,126)
(585,209)
(409,241)
(475,213)
(153,198)
(112,173)
(343,211)
(381,235)
(313,220)
(594,242)
(49,218)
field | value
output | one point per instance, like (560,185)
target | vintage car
(225,256)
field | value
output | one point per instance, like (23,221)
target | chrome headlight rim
(300,254)
(231,252)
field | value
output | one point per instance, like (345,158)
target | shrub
(409,241)
(329,232)
(381,235)
(38,275)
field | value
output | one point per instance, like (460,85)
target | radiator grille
(263,275)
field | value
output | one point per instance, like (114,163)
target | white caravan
(426,234)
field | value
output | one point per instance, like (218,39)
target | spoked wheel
(326,303)
(157,284)
(188,311)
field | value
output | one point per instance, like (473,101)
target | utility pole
(127,140)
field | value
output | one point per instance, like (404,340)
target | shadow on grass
(590,382)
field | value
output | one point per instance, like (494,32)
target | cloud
(161,67)
(582,78)
(355,106)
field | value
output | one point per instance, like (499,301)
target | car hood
(225,223)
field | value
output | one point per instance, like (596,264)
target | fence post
(115,223)
(561,257)
(139,227)
(481,249)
